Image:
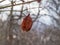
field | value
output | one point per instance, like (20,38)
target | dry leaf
(27,23)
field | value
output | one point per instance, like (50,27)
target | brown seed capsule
(27,23)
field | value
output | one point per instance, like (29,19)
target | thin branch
(9,5)
(38,13)
(18,10)
(21,11)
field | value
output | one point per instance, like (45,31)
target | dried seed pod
(27,23)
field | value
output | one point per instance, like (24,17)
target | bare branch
(9,5)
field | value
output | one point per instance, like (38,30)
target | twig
(9,5)
(21,11)
(38,13)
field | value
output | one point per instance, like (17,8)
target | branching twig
(21,11)
(38,13)
(9,5)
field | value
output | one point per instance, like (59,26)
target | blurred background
(45,29)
